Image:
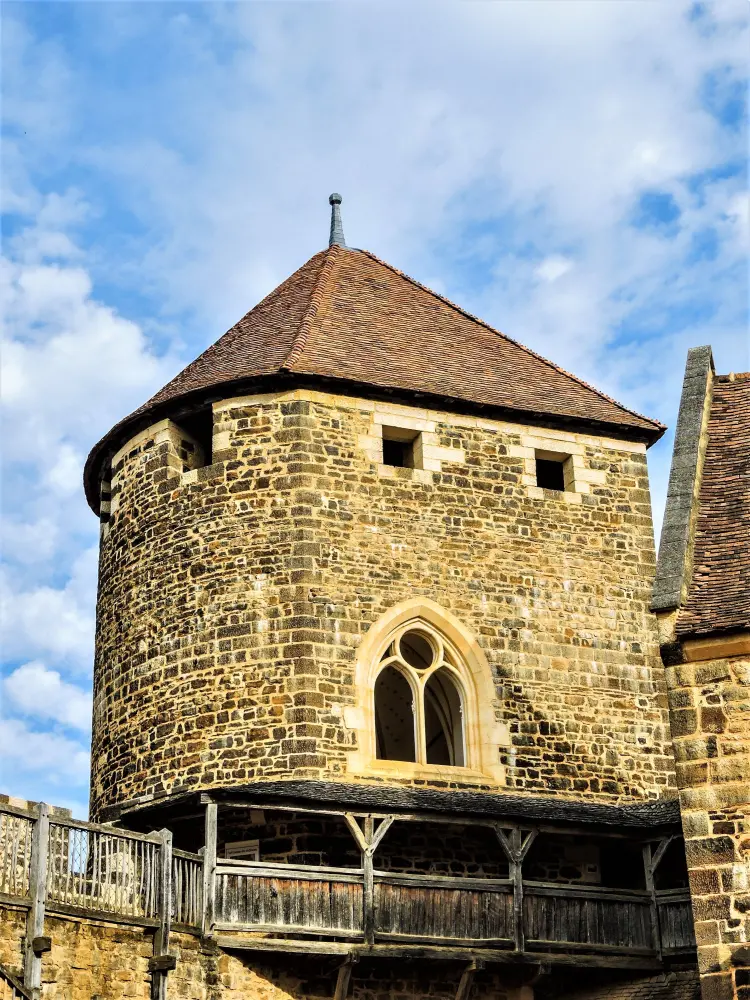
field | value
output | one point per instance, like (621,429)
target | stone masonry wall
(711,726)
(459,850)
(101,961)
(233,597)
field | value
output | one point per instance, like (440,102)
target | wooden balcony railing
(53,864)
(294,901)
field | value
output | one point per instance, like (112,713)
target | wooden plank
(502,885)
(10,810)
(187,855)
(590,946)
(305,872)
(385,825)
(300,930)
(17,990)
(356,831)
(101,916)
(32,975)
(209,868)
(616,961)
(660,851)
(673,895)
(572,891)
(445,942)
(22,902)
(114,831)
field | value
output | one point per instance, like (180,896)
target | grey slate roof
(387,798)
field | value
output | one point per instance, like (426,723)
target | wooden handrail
(19,990)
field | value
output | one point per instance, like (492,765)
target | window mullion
(421,738)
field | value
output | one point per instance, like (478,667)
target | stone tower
(374,598)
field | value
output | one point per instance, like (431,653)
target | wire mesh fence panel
(93,870)
(187,888)
(15,854)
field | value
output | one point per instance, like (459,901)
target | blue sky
(573,172)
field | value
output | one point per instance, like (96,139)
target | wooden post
(32,972)
(467,979)
(368,892)
(160,964)
(516,850)
(344,977)
(651,860)
(209,870)
(368,841)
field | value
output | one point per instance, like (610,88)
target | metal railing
(103,871)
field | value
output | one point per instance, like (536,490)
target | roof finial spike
(336,239)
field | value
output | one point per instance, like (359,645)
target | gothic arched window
(420,696)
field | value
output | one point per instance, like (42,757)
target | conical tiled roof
(346,315)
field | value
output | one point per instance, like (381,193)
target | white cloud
(552,268)
(33,689)
(495,150)
(59,759)
(50,621)
(72,366)
(64,475)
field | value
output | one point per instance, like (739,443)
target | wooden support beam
(356,831)
(343,978)
(32,970)
(209,868)
(368,838)
(467,978)
(659,853)
(239,942)
(380,832)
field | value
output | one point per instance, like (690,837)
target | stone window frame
(567,447)
(485,736)
(429,454)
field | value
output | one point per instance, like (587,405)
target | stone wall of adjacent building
(711,725)
(233,598)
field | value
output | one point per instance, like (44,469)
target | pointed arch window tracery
(420,696)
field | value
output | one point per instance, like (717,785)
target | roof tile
(347,315)
(719,595)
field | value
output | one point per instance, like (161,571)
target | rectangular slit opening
(399,447)
(200,428)
(553,471)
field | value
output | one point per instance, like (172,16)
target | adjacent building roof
(703,571)
(718,595)
(347,316)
